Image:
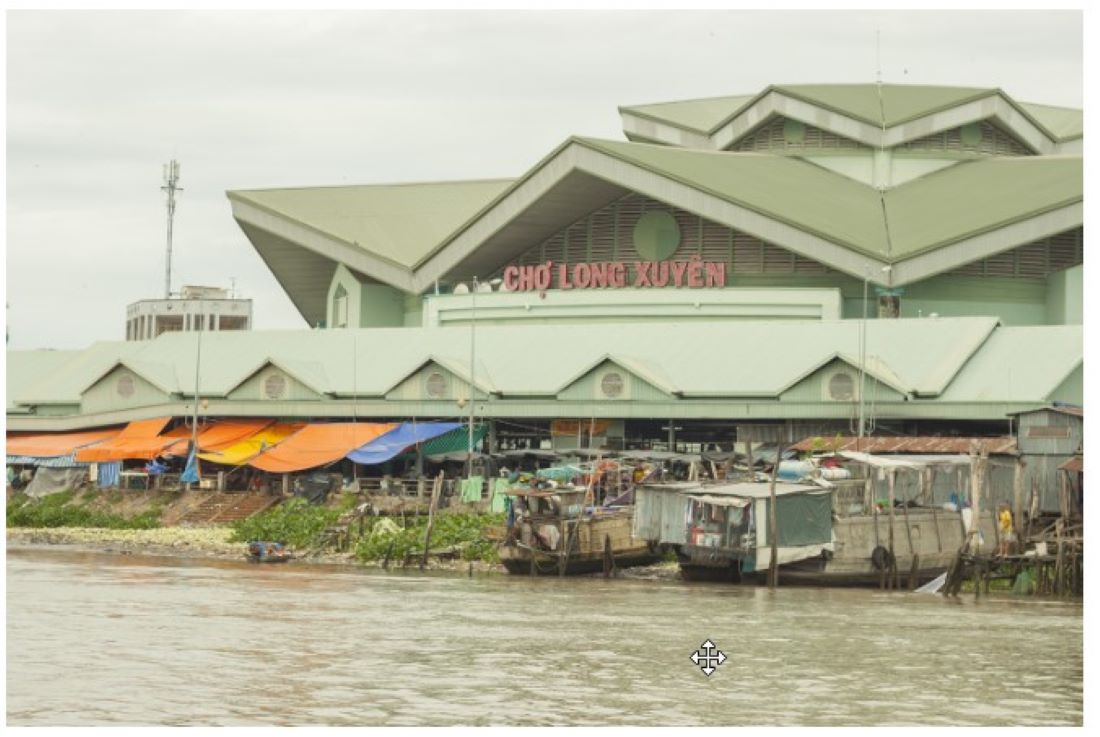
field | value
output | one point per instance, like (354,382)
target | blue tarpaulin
(407,434)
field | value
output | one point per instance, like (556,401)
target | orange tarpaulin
(318,445)
(141,439)
(245,450)
(55,444)
(220,435)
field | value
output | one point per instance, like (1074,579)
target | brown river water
(97,638)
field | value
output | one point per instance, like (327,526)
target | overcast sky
(97,101)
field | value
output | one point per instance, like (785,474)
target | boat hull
(587,551)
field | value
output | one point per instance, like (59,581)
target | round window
(275,386)
(970,135)
(656,235)
(436,385)
(794,131)
(612,385)
(841,387)
(125,386)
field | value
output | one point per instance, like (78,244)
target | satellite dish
(461,288)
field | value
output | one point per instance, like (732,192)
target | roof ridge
(306,187)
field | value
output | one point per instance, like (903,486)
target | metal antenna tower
(171,186)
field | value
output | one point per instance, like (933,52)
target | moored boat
(262,551)
(552,531)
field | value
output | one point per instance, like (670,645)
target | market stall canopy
(53,444)
(906,461)
(244,450)
(141,439)
(318,445)
(220,435)
(393,443)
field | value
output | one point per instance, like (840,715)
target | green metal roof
(700,115)
(931,211)
(699,358)
(976,196)
(900,102)
(30,367)
(397,222)
(790,190)
(1019,363)
(1064,122)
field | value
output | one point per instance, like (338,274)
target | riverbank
(194,542)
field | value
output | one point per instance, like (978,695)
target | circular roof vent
(125,386)
(612,385)
(436,385)
(842,387)
(656,235)
(275,386)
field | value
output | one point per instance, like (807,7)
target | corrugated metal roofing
(1019,364)
(398,222)
(941,208)
(913,444)
(698,358)
(900,103)
(1064,122)
(701,115)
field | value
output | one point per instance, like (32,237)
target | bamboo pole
(437,487)
(892,563)
(1018,498)
(773,524)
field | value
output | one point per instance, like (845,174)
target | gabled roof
(874,367)
(309,373)
(899,104)
(969,361)
(395,222)
(642,369)
(702,115)
(30,368)
(455,366)
(160,375)
(1019,362)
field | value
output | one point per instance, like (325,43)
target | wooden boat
(261,551)
(720,534)
(553,532)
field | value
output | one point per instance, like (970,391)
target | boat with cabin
(829,532)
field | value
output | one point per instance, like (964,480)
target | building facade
(780,257)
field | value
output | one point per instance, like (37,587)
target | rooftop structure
(197,308)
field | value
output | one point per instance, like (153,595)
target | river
(104,639)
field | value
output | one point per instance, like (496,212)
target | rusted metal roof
(1074,465)
(915,444)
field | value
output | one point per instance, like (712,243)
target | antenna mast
(171,186)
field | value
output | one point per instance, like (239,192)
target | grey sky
(98,100)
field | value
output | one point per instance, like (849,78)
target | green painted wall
(103,395)
(415,387)
(814,388)
(343,281)
(1071,390)
(1065,304)
(1015,301)
(253,387)
(588,386)
(381,306)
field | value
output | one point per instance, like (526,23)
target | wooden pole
(437,487)
(1018,499)
(890,478)
(773,524)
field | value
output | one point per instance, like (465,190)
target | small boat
(260,551)
(555,533)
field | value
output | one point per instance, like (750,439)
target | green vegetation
(60,510)
(295,522)
(386,536)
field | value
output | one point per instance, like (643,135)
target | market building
(712,270)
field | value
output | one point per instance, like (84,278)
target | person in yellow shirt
(1004,521)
